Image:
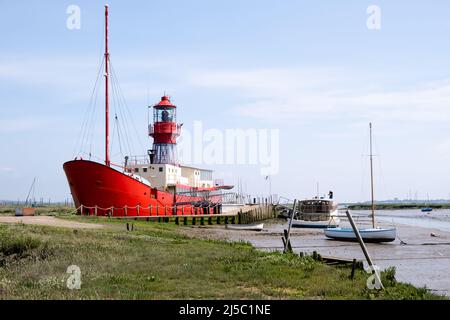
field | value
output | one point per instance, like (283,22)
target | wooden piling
(363,247)
(352,274)
(289,228)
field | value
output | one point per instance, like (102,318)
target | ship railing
(138,160)
(151,210)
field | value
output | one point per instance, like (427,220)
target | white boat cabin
(166,176)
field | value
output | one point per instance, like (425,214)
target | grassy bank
(157,262)
(397,206)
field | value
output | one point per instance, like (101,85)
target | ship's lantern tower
(164,131)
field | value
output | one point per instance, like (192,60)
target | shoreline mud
(421,255)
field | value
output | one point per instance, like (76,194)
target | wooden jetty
(241,215)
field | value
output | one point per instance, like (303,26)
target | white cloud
(6,170)
(16,125)
(441,149)
(288,94)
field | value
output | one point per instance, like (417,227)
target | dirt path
(50,221)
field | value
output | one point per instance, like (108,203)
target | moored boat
(154,184)
(248,227)
(374,234)
(316,213)
(332,222)
(368,234)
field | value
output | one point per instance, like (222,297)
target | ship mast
(371,176)
(107,161)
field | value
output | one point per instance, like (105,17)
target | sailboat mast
(371,177)
(107,161)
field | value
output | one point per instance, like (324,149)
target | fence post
(126,213)
(95,210)
(81,209)
(138,210)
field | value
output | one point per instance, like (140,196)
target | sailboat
(373,234)
(29,207)
(427,209)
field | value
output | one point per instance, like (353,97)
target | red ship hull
(101,190)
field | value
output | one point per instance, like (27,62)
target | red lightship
(154,185)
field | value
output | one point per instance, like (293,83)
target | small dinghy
(248,227)
(368,235)
(426,209)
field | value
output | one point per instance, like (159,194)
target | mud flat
(420,254)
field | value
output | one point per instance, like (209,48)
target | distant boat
(374,234)
(316,213)
(427,209)
(248,227)
(28,209)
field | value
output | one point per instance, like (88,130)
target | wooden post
(185,221)
(289,229)
(138,210)
(81,209)
(289,246)
(352,275)
(363,247)
(95,211)
(126,213)
(209,220)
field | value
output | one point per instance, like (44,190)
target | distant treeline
(364,206)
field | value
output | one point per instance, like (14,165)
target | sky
(311,74)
